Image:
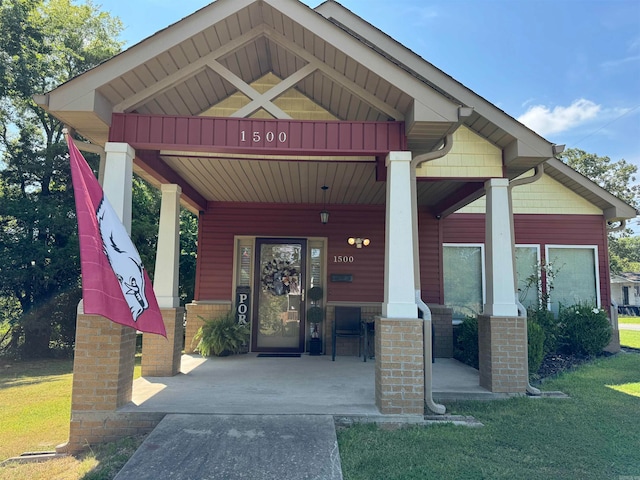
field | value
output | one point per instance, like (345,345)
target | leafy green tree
(146,204)
(188,255)
(44,44)
(618,178)
(624,254)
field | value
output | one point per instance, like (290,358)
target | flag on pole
(114,282)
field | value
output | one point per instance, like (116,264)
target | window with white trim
(572,275)
(528,273)
(463,271)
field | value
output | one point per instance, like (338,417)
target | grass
(629,320)
(44,392)
(630,338)
(35,408)
(592,435)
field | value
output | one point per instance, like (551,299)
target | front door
(279,308)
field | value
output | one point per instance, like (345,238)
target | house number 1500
(269,136)
(343,259)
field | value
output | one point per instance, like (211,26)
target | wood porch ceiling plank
(331,73)
(151,163)
(161,86)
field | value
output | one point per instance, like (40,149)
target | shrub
(221,336)
(535,338)
(545,319)
(584,329)
(466,348)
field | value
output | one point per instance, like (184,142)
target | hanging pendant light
(324,214)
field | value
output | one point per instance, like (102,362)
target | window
(528,272)
(572,275)
(244,261)
(463,268)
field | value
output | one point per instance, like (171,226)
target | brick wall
(349,346)
(92,428)
(503,358)
(194,321)
(399,366)
(161,356)
(102,377)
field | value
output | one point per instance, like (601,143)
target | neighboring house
(244,111)
(625,291)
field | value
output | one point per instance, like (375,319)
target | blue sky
(568,69)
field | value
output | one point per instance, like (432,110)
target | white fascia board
(91,101)
(536,144)
(369,58)
(520,149)
(149,48)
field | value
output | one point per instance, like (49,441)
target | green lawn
(35,408)
(629,320)
(592,435)
(630,338)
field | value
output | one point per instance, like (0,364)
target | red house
(319,152)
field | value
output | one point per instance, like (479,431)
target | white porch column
(118,180)
(399,289)
(165,283)
(499,266)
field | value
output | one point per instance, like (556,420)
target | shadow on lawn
(17,373)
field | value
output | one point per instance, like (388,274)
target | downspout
(463,112)
(422,306)
(426,348)
(622,226)
(537,175)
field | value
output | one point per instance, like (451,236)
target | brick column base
(194,322)
(92,428)
(503,357)
(102,373)
(399,366)
(161,356)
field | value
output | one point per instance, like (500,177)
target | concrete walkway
(266,418)
(246,384)
(230,447)
(629,326)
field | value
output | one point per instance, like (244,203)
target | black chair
(348,324)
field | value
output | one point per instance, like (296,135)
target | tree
(615,177)
(44,44)
(618,179)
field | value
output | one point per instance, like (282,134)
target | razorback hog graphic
(123,258)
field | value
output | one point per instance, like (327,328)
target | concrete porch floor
(246,384)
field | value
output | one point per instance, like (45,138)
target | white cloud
(545,121)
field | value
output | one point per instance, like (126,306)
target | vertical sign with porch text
(243,304)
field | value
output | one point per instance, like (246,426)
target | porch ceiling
(247,178)
(349,69)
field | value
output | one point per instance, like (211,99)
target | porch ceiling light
(358,242)
(324,214)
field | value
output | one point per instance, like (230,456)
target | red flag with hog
(114,282)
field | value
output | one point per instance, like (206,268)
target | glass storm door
(279,307)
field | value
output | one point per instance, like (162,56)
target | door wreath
(278,276)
